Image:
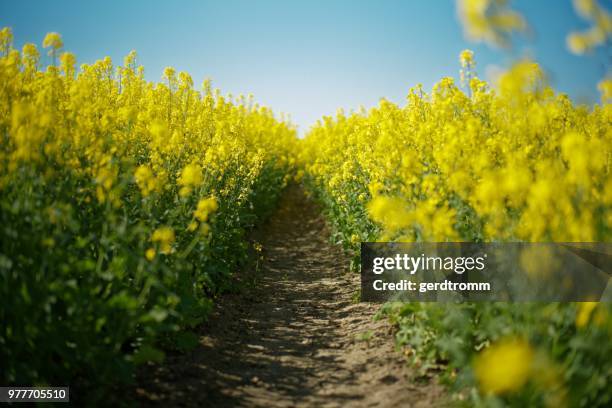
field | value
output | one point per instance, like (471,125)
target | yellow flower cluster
(505,366)
(510,162)
(517,163)
(597,34)
(146,180)
(164,237)
(109,124)
(205,207)
(491,21)
(101,173)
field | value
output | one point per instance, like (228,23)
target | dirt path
(295,338)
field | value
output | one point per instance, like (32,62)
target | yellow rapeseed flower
(53,40)
(150,254)
(585,310)
(391,212)
(193,225)
(145,179)
(206,206)
(605,88)
(164,237)
(190,177)
(504,367)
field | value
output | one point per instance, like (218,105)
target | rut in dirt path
(294,338)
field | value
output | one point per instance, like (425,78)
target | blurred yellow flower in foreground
(145,179)
(150,254)
(390,212)
(491,21)
(605,88)
(504,367)
(193,225)
(53,40)
(206,206)
(165,237)
(584,313)
(190,177)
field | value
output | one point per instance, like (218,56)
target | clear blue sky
(305,58)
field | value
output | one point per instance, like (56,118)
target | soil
(297,337)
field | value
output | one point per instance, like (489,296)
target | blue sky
(306,58)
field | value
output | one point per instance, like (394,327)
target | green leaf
(187,340)
(148,353)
